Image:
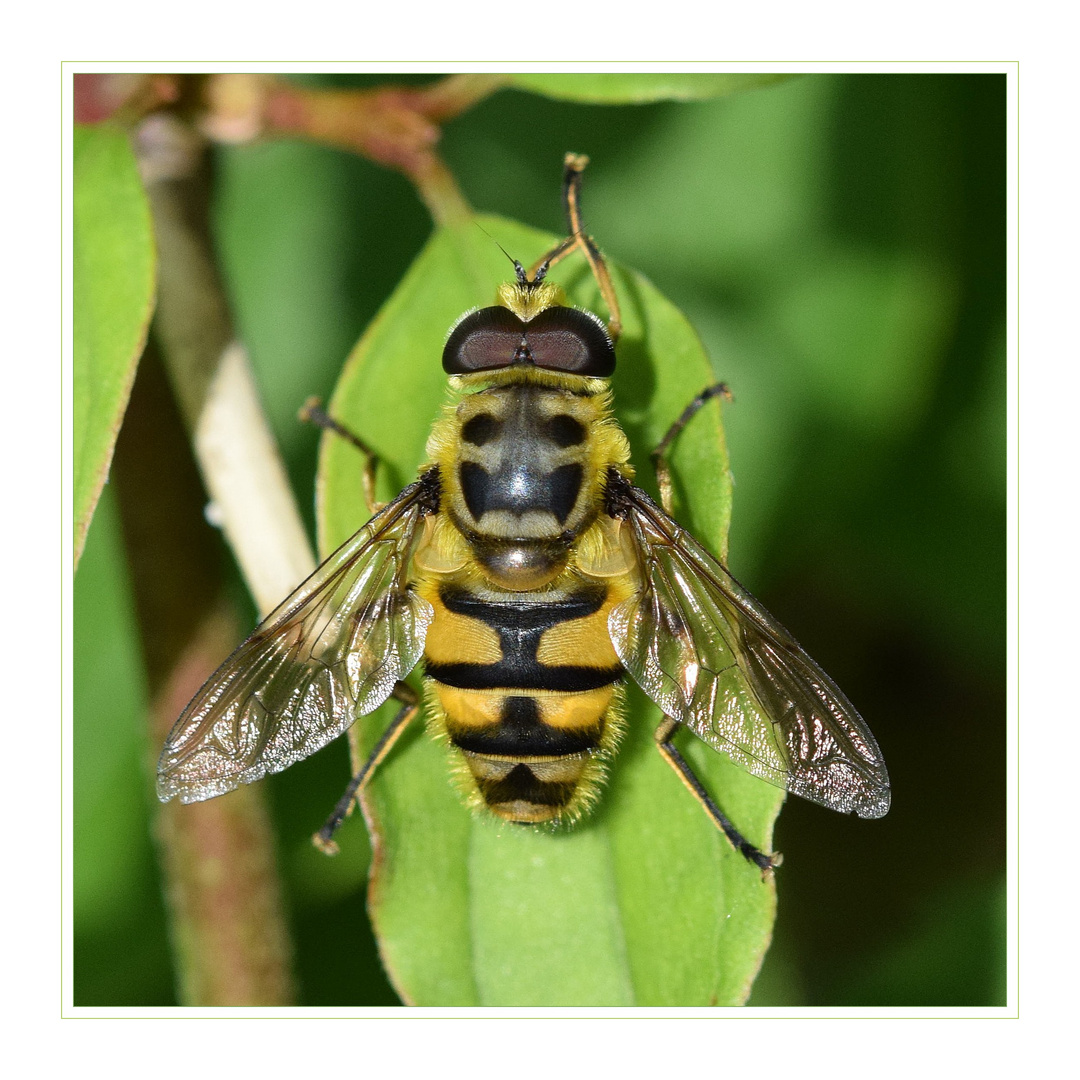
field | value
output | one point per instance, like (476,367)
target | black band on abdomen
(520,626)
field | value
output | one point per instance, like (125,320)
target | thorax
(523,467)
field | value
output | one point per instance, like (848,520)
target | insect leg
(324,838)
(313,413)
(573,167)
(659,455)
(664,734)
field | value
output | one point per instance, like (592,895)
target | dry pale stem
(218,857)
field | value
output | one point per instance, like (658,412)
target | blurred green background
(839,242)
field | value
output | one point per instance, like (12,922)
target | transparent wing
(715,660)
(330,653)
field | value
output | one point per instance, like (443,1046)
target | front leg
(659,455)
(313,413)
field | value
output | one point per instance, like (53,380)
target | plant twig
(455,94)
(395,126)
(218,858)
(230,937)
(231,942)
(211,375)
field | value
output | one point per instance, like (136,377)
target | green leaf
(113,267)
(109,742)
(636,88)
(644,902)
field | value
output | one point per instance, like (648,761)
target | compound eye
(565,339)
(488,338)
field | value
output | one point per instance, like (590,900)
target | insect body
(524,672)
(531,576)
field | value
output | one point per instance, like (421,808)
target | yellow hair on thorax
(527,374)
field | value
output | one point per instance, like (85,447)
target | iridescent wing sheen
(330,653)
(714,659)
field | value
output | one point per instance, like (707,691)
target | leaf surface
(113,267)
(644,902)
(623,88)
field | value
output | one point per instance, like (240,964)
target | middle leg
(324,838)
(659,455)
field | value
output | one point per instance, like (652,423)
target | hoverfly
(531,577)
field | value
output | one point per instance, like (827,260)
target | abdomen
(527,690)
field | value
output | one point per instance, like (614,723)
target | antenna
(522,276)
